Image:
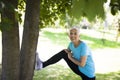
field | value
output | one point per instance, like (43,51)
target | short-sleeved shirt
(83,50)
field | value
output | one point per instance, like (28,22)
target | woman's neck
(77,43)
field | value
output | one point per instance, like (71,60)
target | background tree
(75,9)
(16,64)
(51,10)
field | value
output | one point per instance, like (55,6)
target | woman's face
(74,35)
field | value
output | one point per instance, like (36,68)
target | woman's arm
(82,61)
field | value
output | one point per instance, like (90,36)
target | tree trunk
(10,42)
(30,38)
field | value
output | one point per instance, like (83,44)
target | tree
(30,37)
(10,41)
(19,64)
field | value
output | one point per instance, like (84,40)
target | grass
(100,43)
(55,72)
(57,38)
(95,43)
(58,72)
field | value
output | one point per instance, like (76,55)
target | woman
(78,57)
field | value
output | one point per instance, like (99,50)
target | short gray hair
(76,28)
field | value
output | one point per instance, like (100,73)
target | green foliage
(21,9)
(87,8)
(115,6)
(51,10)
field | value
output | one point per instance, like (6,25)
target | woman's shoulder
(70,42)
(83,43)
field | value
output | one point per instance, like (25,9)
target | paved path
(107,60)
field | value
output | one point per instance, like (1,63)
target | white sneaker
(38,62)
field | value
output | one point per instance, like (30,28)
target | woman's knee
(62,52)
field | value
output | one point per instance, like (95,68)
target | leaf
(87,8)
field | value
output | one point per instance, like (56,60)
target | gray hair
(76,28)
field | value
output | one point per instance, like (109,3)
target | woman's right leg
(61,55)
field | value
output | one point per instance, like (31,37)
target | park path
(107,60)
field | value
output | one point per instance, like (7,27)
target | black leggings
(74,67)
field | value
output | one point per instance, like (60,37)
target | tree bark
(30,39)
(10,42)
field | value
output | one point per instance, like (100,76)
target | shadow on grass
(55,72)
(59,72)
(63,40)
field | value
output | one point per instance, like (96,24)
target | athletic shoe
(38,63)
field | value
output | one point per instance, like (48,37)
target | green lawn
(62,39)
(59,72)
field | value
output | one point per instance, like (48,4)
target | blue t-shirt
(83,50)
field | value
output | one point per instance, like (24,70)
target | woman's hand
(82,61)
(69,53)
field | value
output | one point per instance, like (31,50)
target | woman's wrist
(70,56)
